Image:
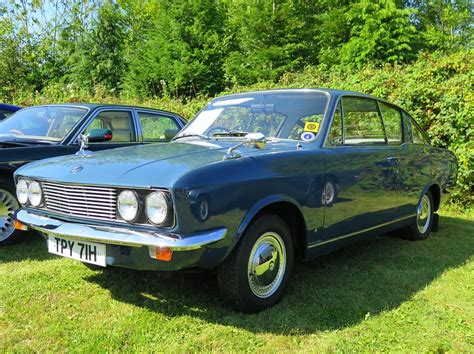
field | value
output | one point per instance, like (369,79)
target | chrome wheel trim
(423,214)
(267,264)
(328,194)
(8,205)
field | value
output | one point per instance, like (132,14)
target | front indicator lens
(157,207)
(128,205)
(164,254)
(35,194)
(22,191)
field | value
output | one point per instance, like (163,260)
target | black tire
(421,227)
(235,275)
(8,204)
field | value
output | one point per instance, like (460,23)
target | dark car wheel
(8,204)
(256,273)
(420,229)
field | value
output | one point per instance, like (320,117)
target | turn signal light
(161,253)
(19,226)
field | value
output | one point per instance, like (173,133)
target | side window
(362,122)
(119,122)
(407,128)
(154,126)
(418,136)
(312,122)
(4,114)
(335,133)
(393,123)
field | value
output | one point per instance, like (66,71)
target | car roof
(332,92)
(9,107)
(93,106)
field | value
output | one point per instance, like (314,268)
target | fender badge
(76,169)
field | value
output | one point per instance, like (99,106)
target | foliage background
(176,54)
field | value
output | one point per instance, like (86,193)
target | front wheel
(8,204)
(256,273)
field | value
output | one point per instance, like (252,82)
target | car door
(120,122)
(415,166)
(157,127)
(361,172)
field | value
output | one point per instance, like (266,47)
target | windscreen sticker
(308,136)
(311,127)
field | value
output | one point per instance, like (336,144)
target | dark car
(6,110)
(40,132)
(255,182)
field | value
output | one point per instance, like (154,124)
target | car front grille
(82,201)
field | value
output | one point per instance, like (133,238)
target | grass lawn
(384,294)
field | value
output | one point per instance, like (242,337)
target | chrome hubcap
(328,194)
(267,264)
(423,214)
(8,205)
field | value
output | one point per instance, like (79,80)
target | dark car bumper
(130,248)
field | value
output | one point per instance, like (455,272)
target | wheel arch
(6,176)
(289,210)
(435,190)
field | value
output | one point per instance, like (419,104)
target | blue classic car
(39,132)
(255,182)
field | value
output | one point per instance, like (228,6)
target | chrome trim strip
(118,235)
(321,243)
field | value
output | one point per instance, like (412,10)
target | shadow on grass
(32,247)
(332,292)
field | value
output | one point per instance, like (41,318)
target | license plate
(88,252)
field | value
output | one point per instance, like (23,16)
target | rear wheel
(8,205)
(420,229)
(255,275)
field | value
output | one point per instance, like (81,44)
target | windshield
(276,114)
(42,123)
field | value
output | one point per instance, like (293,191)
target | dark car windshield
(276,114)
(42,123)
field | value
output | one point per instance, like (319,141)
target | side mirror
(99,135)
(257,140)
(170,134)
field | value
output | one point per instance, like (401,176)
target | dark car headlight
(157,206)
(128,205)
(22,191)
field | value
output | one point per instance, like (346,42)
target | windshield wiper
(238,133)
(190,135)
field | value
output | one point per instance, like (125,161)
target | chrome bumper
(118,235)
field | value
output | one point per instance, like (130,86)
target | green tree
(98,59)
(269,38)
(443,24)
(182,52)
(380,32)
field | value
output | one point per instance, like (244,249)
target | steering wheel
(217,128)
(16,132)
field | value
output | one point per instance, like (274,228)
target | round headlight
(127,205)
(22,191)
(35,193)
(157,206)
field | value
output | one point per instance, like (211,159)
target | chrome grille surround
(82,201)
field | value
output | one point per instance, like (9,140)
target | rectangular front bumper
(120,236)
